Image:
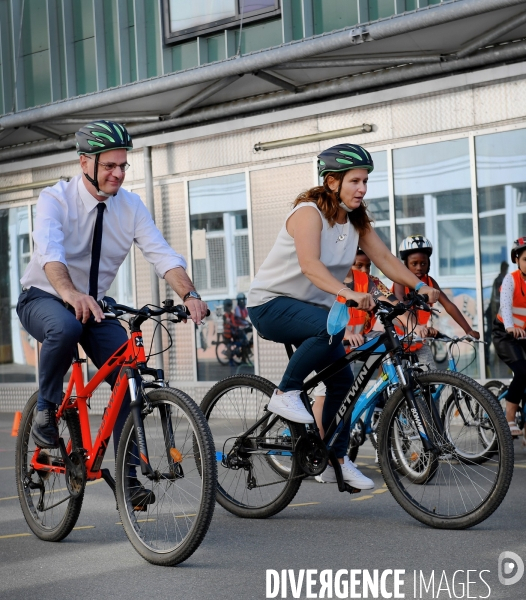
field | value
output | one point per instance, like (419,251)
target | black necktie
(95,252)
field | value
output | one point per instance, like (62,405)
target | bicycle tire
(56,521)
(223,353)
(232,406)
(461,495)
(167,531)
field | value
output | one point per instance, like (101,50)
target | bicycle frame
(372,353)
(131,354)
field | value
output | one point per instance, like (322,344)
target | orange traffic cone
(16,423)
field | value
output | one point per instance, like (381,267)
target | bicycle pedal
(351,489)
(140,508)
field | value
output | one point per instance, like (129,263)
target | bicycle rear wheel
(170,526)
(462,492)
(261,482)
(46,504)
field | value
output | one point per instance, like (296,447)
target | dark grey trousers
(48,320)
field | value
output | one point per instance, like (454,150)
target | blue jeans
(286,320)
(47,319)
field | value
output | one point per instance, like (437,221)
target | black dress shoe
(45,430)
(140,497)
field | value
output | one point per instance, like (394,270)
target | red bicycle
(165,470)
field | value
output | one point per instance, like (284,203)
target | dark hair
(518,254)
(360,252)
(406,259)
(328,202)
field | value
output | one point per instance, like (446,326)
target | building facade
(449,153)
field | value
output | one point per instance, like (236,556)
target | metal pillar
(154,280)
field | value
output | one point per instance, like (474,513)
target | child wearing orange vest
(415,251)
(510,327)
(362,322)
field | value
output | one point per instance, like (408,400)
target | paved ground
(321,530)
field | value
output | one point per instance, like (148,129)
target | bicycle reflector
(177,457)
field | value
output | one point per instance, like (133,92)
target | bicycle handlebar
(412,300)
(180,311)
(465,338)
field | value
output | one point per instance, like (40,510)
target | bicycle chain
(302,476)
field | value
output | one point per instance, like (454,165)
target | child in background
(509,328)
(415,251)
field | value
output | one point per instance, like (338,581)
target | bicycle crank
(311,454)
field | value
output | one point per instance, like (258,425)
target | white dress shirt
(63,232)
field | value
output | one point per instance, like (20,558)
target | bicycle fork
(407,384)
(140,439)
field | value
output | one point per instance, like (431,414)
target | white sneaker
(289,406)
(351,475)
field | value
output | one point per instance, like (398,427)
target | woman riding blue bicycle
(289,299)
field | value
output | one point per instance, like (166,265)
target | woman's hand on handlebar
(198,310)
(364,301)
(473,334)
(432,293)
(516,332)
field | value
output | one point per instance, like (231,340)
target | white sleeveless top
(280,274)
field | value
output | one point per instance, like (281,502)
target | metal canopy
(417,45)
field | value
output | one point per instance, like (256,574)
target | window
(433,198)
(501,179)
(17,347)
(221,274)
(377,200)
(190,19)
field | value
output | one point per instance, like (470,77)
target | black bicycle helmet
(344,157)
(415,243)
(227,304)
(518,245)
(100,136)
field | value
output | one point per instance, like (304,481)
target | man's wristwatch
(193,294)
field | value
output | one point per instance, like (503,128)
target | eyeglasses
(111,166)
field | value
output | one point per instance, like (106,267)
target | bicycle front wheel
(174,517)
(48,508)
(254,481)
(223,353)
(462,492)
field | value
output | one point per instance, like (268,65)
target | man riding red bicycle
(83,232)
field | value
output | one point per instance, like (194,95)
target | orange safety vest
(518,307)
(422,316)
(228,325)
(358,318)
